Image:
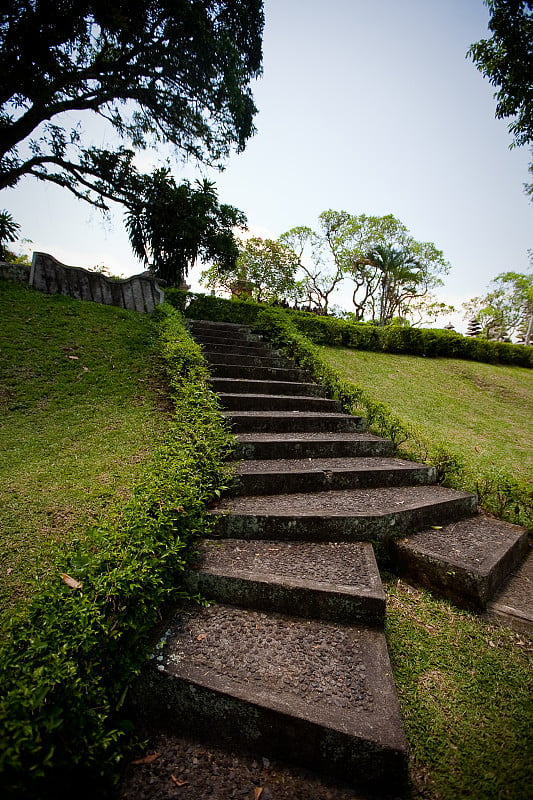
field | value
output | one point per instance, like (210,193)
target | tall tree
(506,59)
(506,308)
(9,230)
(339,252)
(158,71)
(172,226)
(264,270)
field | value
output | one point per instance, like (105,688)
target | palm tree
(401,276)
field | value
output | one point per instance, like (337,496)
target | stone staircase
(292,660)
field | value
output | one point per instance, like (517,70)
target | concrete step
(240,349)
(205,326)
(311,445)
(273,361)
(513,604)
(337,581)
(272,402)
(247,372)
(293,422)
(242,341)
(351,515)
(257,386)
(322,474)
(465,562)
(320,691)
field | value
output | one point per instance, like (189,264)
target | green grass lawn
(482,411)
(80,410)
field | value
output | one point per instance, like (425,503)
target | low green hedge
(69,656)
(499,492)
(427,342)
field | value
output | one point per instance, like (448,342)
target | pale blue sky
(368,107)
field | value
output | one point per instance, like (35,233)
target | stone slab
(311,445)
(248,360)
(273,402)
(466,561)
(293,422)
(337,581)
(352,515)
(322,474)
(513,605)
(321,691)
(256,386)
(247,372)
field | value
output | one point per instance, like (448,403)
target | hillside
(79,403)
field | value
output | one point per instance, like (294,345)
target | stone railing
(138,293)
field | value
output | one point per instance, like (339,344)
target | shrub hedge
(427,342)
(499,492)
(69,656)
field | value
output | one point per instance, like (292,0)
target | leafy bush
(279,327)
(68,657)
(216,309)
(427,342)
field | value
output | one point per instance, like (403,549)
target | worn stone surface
(513,605)
(328,581)
(317,444)
(185,768)
(466,561)
(264,477)
(358,514)
(237,674)
(138,293)
(293,421)
(273,402)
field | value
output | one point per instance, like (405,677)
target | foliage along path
(292,660)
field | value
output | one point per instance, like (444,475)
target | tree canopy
(264,270)
(386,268)
(158,71)
(506,59)
(171,226)
(506,309)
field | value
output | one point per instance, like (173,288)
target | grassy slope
(480,410)
(464,686)
(74,438)
(78,405)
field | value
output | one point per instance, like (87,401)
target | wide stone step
(311,445)
(201,326)
(465,562)
(351,515)
(247,372)
(273,361)
(228,340)
(336,581)
(240,349)
(273,402)
(293,422)
(320,691)
(513,605)
(322,474)
(256,386)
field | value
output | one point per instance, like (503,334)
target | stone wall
(138,293)
(15,272)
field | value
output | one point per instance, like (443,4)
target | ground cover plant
(70,652)
(81,406)
(466,695)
